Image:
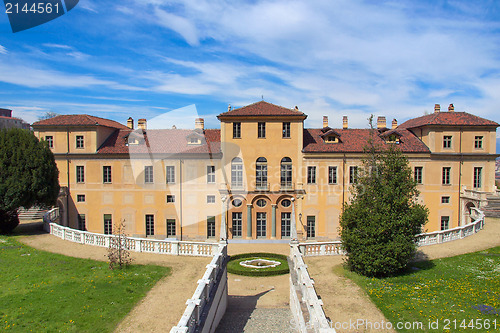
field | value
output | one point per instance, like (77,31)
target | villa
(181,183)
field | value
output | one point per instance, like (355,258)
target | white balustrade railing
(317,320)
(430,238)
(201,310)
(159,246)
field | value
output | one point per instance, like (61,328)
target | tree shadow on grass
(239,311)
(29,228)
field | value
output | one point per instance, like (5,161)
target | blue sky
(142,58)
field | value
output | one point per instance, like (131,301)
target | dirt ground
(165,303)
(344,301)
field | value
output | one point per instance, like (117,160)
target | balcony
(287,186)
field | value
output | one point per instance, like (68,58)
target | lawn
(47,292)
(458,294)
(234,267)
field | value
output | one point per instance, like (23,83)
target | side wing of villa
(178,183)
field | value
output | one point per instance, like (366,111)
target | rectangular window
(170,198)
(210,174)
(170,174)
(50,141)
(210,226)
(170,227)
(286,219)
(286,130)
(446,175)
(148,174)
(80,198)
(237,223)
(81,222)
(332,175)
(80,174)
(79,141)
(477,177)
(478,142)
(236,130)
(150,225)
(418,175)
(210,198)
(106,174)
(311,226)
(353,174)
(445,222)
(261,224)
(311,175)
(445,200)
(261,130)
(447,141)
(108,224)
(237,174)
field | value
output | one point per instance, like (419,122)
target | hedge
(234,266)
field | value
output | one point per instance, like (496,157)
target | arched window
(286,172)
(237,172)
(261,173)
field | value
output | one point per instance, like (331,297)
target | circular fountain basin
(260,263)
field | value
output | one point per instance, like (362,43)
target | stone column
(273,225)
(293,226)
(223,228)
(249,221)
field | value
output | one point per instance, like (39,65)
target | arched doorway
(468,212)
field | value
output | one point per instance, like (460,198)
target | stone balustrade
(431,238)
(207,306)
(172,247)
(303,295)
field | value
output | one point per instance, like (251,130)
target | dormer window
(194,141)
(393,138)
(331,139)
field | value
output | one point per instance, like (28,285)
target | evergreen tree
(379,225)
(28,175)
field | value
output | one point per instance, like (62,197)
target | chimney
(325,121)
(142,124)
(229,107)
(130,123)
(437,108)
(381,122)
(394,123)
(344,119)
(451,108)
(199,123)
(174,127)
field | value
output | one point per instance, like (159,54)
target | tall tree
(379,225)
(28,175)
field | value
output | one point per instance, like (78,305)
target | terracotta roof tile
(164,141)
(448,119)
(355,140)
(262,109)
(79,120)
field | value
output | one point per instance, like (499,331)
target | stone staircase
(492,209)
(34,213)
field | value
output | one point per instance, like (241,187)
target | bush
(234,266)
(379,225)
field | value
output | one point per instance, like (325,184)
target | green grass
(234,267)
(457,289)
(46,292)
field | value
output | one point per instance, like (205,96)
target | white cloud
(3,50)
(182,26)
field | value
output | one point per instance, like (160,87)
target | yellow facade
(248,173)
